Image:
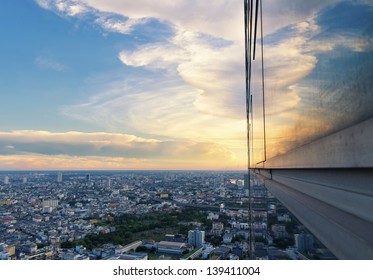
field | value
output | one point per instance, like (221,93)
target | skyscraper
(196,238)
(303,242)
(59,177)
(6,180)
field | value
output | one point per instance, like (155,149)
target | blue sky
(91,84)
(84,85)
(47,61)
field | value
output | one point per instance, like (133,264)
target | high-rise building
(303,242)
(246,181)
(24,180)
(6,180)
(50,202)
(309,128)
(59,177)
(196,238)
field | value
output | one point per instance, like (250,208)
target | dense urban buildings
(144,215)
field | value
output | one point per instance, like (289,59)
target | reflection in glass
(318,61)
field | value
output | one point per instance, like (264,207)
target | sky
(91,84)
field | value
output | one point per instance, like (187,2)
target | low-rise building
(173,248)
(217,229)
(227,238)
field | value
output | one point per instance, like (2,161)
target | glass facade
(310,72)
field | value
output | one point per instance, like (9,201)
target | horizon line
(117,170)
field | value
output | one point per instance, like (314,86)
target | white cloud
(348,41)
(66,7)
(216,72)
(63,162)
(204,60)
(109,145)
(198,91)
(45,4)
(70,8)
(163,108)
(206,51)
(220,18)
(119,25)
(49,63)
(280,14)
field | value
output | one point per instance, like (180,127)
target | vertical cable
(247,77)
(251,197)
(250,36)
(264,121)
(255,27)
(251,136)
(263,95)
(248,33)
(247,58)
(247,82)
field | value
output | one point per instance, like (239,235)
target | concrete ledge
(339,215)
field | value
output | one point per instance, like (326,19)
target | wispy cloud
(164,109)
(219,19)
(212,67)
(124,26)
(120,147)
(49,64)
(45,4)
(205,52)
(192,83)
(66,7)
(61,162)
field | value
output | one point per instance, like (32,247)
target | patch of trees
(283,243)
(128,225)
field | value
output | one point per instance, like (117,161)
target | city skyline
(147,215)
(186,129)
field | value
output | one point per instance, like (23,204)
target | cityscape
(126,215)
(191,130)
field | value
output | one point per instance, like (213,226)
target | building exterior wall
(310,119)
